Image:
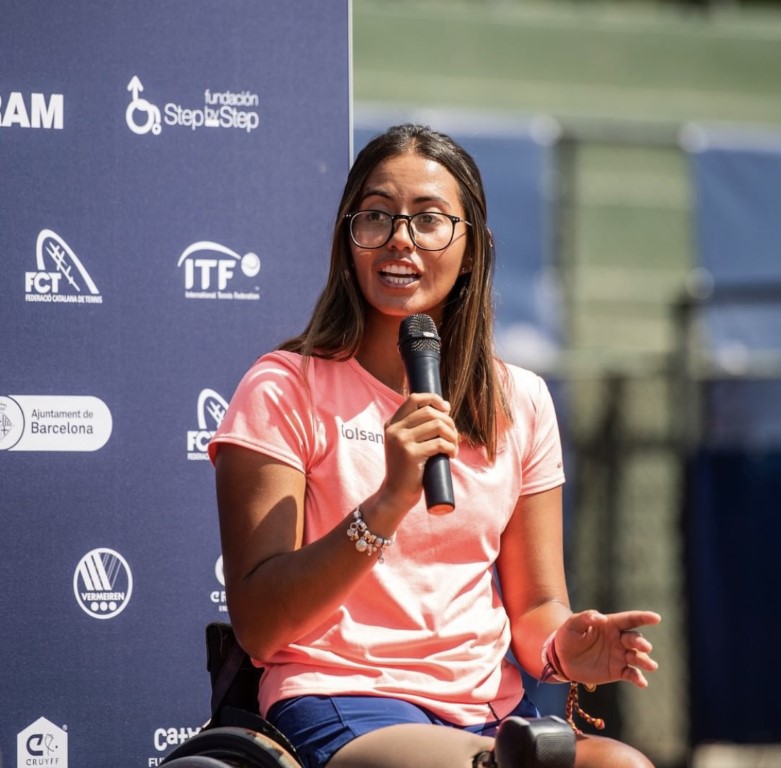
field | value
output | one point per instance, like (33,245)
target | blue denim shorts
(318,726)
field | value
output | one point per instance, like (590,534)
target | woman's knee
(601,752)
(412,745)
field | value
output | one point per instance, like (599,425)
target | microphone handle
(423,376)
(438,485)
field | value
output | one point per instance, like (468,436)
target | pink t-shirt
(427,625)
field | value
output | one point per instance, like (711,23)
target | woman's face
(398,279)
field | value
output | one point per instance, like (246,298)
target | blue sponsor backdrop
(733,516)
(169,173)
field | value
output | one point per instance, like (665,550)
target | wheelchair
(236,736)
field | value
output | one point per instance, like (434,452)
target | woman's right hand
(421,428)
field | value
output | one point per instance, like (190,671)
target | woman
(382,633)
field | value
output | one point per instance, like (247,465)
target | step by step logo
(219,109)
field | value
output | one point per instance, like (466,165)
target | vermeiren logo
(103,583)
(209,269)
(35,112)
(211,409)
(217,596)
(60,275)
(42,743)
(222,109)
(54,423)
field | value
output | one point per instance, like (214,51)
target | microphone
(419,347)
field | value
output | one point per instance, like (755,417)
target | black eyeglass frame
(394,217)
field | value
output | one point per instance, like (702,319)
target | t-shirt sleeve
(270,413)
(543,466)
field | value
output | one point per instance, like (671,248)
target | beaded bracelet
(552,672)
(365,540)
(573,705)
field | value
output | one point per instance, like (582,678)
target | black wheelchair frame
(235,735)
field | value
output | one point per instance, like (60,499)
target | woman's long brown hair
(473,381)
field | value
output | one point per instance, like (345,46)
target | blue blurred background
(631,154)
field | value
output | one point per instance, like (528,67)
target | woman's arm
(531,574)
(277,590)
(591,647)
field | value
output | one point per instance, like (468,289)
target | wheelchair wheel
(230,747)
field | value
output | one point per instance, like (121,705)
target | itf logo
(60,275)
(103,583)
(222,109)
(211,409)
(210,268)
(42,743)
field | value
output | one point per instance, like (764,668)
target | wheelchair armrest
(234,678)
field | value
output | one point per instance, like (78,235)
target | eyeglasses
(429,231)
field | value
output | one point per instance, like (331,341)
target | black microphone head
(418,333)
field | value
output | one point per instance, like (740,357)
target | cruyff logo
(210,266)
(211,410)
(42,744)
(60,276)
(137,104)
(38,742)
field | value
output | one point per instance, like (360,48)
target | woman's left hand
(597,648)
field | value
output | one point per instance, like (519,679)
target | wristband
(551,666)
(553,673)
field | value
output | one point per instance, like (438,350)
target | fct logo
(210,268)
(211,410)
(60,275)
(103,583)
(42,743)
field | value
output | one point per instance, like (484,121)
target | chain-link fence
(623,252)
